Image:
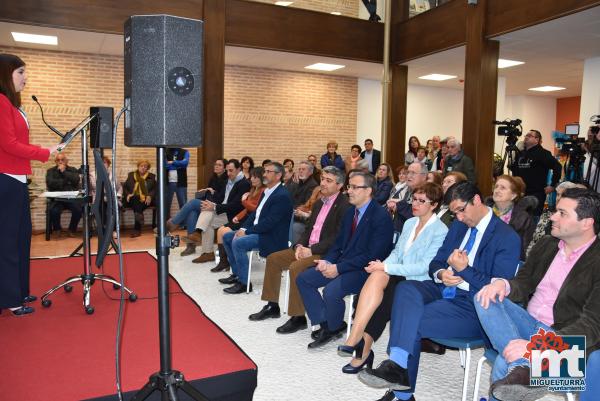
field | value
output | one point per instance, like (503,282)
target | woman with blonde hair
(331,158)
(138,192)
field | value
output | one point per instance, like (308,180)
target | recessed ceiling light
(437,77)
(547,88)
(283,3)
(336,13)
(31,38)
(324,67)
(503,63)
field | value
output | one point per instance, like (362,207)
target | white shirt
(266,194)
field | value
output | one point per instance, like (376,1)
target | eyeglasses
(270,171)
(463,208)
(421,201)
(412,174)
(355,187)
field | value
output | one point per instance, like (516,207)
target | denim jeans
(189,214)
(503,322)
(237,253)
(181,193)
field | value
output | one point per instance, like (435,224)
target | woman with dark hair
(139,193)
(351,162)
(16,154)
(250,202)
(247,166)
(444,213)
(413,146)
(385,183)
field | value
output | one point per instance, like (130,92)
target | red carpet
(60,353)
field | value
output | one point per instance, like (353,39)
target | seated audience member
(189,213)
(434,152)
(321,230)
(372,156)
(450,179)
(266,229)
(247,165)
(63,177)
(221,210)
(301,190)
(178,160)
(511,207)
(385,183)
(350,162)
(289,164)
(316,172)
(302,214)
(558,286)
(422,157)
(265,162)
(458,161)
(544,225)
(331,158)
(413,145)
(440,162)
(288,176)
(419,242)
(362,165)
(417,175)
(435,176)
(250,202)
(366,234)
(139,190)
(400,190)
(477,248)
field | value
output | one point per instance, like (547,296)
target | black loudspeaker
(163,81)
(101,127)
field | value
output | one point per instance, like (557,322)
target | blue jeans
(503,322)
(237,252)
(189,214)
(181,193)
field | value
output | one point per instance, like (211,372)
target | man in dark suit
(63,177)
(366,234)
(267,229)
(372,156)
(321,230)
(559,286)
(477,248)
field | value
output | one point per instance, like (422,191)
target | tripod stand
(510,153)
(167,380)
(592,176)
(88,278)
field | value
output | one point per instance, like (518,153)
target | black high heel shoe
(349,351)
(23,310)
(30,298)
(352,370)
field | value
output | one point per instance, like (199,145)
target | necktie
(355,221)
(450,292)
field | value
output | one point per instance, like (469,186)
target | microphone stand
(88,278)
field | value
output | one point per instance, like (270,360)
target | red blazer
(15,150)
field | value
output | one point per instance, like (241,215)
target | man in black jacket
(319,235)
(62,177)
(532,165)
(372,156)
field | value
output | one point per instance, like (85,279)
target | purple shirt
(315,234)
(542,302)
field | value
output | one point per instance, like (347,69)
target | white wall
(369,109)
(536,112)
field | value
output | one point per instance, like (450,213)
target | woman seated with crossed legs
(419,242)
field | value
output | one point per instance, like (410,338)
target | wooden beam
(481,86)
(438,29)
(214,88)
(266,26)
(511,15)
(396,137)
(106,16)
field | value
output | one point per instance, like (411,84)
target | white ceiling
(554,53)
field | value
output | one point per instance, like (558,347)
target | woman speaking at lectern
(15,219)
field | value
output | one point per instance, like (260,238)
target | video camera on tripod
(511,129)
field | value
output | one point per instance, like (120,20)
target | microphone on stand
(57,132)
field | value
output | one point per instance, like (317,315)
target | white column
(590,93)
(368,113)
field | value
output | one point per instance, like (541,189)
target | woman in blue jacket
(331,158)
(385,183)
(418,244)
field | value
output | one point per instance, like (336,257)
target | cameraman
(592,147)
(532,165)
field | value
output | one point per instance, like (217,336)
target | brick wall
(349,8)
(268,113)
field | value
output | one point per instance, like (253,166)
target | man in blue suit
(478,248)
(266,229)
(366,234)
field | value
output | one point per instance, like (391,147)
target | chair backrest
(291,230)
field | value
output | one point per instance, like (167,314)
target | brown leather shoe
(189,249)
(515,386)
(205,257)
(193,238)
(171,226)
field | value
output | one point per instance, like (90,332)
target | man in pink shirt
(320,233)
(560,287)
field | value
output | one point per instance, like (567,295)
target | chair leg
(286,293)
(478,378)
(467,365)
(349,319)
(249,271)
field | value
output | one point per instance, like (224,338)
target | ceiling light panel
(547,88)
(31,38)
(324,67)
(503,63)
(437,77)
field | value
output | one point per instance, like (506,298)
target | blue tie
(450,292)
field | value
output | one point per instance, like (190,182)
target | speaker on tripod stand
(163,95)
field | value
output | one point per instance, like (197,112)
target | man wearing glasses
(267,229)
(63,177)
(402,210)
(477,248)
(366,234)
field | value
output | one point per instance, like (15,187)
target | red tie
(355,221)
